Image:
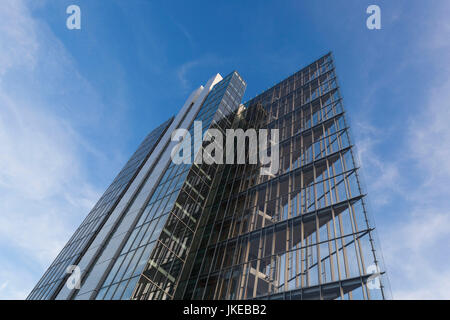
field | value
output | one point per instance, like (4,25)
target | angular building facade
(224,231)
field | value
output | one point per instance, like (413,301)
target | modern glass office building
(224,231)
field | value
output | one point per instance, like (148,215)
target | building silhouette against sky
(224,231)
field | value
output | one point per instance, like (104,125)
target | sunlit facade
(224,231)
(303,233)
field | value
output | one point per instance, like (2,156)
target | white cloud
(187,67)
(381,175)
(430,138)
(415,229)
(44,189)
(420,244)
(16,26)
(416,255)
(184,69)
(184,31)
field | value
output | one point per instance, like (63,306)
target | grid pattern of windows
(55,276)
(154,254)
(302,233)
(223,231)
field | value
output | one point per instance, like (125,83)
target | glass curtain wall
(55,276)
(151,260)
(303,233)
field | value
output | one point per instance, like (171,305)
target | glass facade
(302,233)
(56,275)
(224,231)
(156,250)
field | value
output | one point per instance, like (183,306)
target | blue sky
(74,105)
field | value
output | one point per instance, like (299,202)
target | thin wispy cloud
(44,189)
(383,174)
(183,71)
(409,185)
(416,255)
(189,67)
(184,31)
